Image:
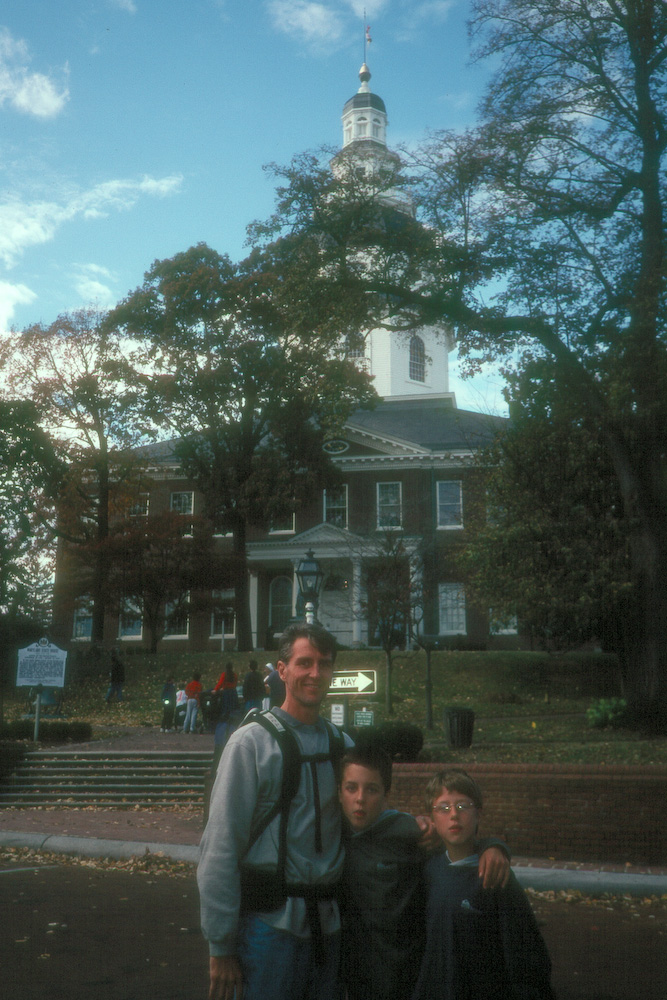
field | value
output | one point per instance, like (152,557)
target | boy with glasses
(478,944)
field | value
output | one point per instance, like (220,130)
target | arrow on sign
(354,682)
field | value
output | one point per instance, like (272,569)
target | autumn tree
(74,373)
(227,368)
(545,232)
(160,565)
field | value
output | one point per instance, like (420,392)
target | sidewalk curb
(591,883)
(540,879)
(92,847)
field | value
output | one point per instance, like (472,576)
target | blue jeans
(279,966)
(191,715)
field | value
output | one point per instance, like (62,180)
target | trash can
(459,723)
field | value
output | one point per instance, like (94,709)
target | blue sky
(132,129)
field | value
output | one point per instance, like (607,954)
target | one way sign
(354,682)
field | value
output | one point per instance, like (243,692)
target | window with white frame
(280,603)
(183,502)
(82,624)
(140,506)
(503,624)
(223,613)
(452,609)
(129,620)
(450,503)
(362,127)
(176,620)
(389,514)
(417,367)
(285,526)
(335,506)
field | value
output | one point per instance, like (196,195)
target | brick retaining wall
(568,813)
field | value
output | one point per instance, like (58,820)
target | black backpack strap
(290,779)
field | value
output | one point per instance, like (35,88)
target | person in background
(181,705)
(276,687)
(253,688)
(228,679)
(168,699)
(116,676)
(478,943)
(193,689)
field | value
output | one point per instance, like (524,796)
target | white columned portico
(252,597)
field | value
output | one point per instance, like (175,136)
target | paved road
(72,932)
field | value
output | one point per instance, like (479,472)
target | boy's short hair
(454,779)
(372,757)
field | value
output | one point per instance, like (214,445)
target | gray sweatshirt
(247,785)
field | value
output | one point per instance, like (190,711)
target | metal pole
(38,706)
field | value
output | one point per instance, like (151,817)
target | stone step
(123,778)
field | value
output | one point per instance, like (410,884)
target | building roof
(434,424)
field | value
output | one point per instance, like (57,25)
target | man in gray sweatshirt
(267,886)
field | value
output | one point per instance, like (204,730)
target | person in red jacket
(193,689)
(228,679)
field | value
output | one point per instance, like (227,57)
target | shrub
(402,741)
(11,755)
(49,731)
(606,712)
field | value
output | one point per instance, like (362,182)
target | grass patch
(529,707)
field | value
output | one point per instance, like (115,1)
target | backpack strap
(290,780)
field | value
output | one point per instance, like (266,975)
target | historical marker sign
(41,663)
(354,682)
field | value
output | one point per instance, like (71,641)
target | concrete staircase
(121,779)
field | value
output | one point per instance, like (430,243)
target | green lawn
(529,707)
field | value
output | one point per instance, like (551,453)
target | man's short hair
(454,779)
(372,757)
(322,640)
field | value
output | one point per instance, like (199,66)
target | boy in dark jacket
(479,945)
(382,892)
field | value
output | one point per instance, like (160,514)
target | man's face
(362,795)
(457,827)
(307,676)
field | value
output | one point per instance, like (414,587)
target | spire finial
(367,35)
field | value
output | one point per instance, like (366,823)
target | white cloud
(10,297)
(127,5)
(313,23)
(26,224)
(90,287)
(30,93)
(371,8)
(421,17)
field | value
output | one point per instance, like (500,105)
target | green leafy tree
(75,374)
(545,231)
(250,398)
(552,546)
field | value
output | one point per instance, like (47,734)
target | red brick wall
(568,813)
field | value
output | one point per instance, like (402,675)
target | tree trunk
(389,699)
(244,643)
(101,555)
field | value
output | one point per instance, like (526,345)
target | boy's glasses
(460,807)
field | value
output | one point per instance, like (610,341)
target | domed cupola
(365,115)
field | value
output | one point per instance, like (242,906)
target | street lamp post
(310,575)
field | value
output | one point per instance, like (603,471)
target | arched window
(280,602)
(417,360)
